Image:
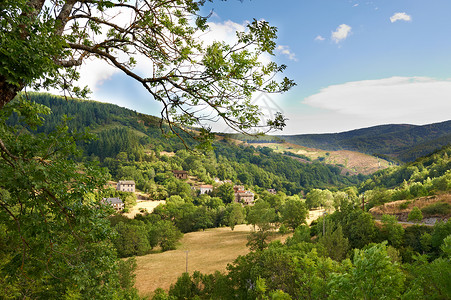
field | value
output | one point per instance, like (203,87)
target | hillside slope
(350,162)
(130,144)
(404,142)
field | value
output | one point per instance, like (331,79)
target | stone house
(116,203)
(205,189)
(245,197)
(272,191)
(237,188)
(180,174)
(126,186)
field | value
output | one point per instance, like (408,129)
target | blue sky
(357,63)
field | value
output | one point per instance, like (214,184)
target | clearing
(352,162)
(149,205)
(208,251)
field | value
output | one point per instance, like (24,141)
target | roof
(126,182)
(179,171)
(245,193)
(113,200)
(206,186)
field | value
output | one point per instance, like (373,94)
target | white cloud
(319,38)
(94,72)
(341,33)
(285,50)
(222,32)
(414,100)
(355,5)
(400,17)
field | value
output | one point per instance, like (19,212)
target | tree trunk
(7,91)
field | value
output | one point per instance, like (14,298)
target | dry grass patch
(147,205)
(353,162)
(402,208)
(209,251)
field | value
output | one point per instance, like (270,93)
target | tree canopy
(43,42)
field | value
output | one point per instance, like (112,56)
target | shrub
(404,205)
(438,208)
(415,215)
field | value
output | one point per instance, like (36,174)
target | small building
(272,191)
(126,186)
(180,174)
(245,197)
(205,189)
(237,188)
(116,203)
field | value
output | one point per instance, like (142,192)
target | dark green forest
(119,130)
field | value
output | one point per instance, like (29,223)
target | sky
(356,63)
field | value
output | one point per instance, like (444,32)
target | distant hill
(432,166)
(403,142)
(130,142)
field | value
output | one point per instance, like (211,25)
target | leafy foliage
(42,46)
(55,231)
(415,215)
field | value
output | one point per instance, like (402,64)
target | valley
(304,203)
(225,150)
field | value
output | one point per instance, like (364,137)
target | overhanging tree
(54,232)
(57,234)
(42,42)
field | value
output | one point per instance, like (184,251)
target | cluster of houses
(123,186)
(242,195)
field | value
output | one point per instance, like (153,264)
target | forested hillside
(341,250)
(426,176)
(402,142)
(119,130)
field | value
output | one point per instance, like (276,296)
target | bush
(404,205)
(283,229)
(438,208)
(415,215)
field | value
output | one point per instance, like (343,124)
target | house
(180,174)
(238,188)
(272,191)
(245,197)
(126,186)
(116,203)
(205,189)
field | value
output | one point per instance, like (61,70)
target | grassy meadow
(209,250)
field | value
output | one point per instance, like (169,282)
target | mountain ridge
(392,140)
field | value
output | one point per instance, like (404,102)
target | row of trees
(165,225)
